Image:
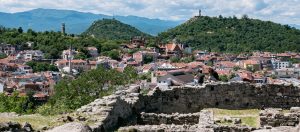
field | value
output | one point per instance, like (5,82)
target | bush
(17,104)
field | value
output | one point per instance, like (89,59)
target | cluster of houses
(156,63)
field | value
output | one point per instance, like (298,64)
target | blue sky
(282,11)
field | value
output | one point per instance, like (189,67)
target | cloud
(284,11)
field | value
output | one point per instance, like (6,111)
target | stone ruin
(181,108)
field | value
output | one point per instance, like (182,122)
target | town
(169,64)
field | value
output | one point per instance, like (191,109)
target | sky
(282,11)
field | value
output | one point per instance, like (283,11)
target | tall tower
(63,28)
(199,13)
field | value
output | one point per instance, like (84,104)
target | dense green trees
(41,66)
(14,103)
(113,30)
(53,43)
(235,35)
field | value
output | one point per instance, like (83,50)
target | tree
(148,59)
(114,54)
(130,73)
(236,68)
(245,16)
(41,66)
(20,30)
(223,78)
(174,59)
(2,55)
(250,68)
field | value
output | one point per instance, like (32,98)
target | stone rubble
(15,127)
(71,127)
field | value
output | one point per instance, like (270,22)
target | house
(174,49)
(287,73)
(135,42)
(7,49)
(78,65)
(207,59)
(277,64)
(93,51)
(25,69)
(253,64)
(142,56)
(138,41)
(225,65)
(171,66)
(284,56)
(30,55)
(66,54)
(175,78)
(149,68)
(258,78)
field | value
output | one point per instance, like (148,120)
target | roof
(92,48)
(178,78)
(227,64)
(223,72)
(173,47)
(251,62)
(73,61)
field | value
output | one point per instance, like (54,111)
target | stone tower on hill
(63,28)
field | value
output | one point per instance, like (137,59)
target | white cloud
(284,11)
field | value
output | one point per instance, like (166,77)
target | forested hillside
(113,30)
(235,35)
(53,43)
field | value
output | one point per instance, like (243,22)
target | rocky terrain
(183,109)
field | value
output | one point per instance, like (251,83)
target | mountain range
(77,22)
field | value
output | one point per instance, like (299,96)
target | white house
(174,79)
(277,64)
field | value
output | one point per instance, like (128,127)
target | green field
(249,117)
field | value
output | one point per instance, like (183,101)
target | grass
(249,117)
(250,121)
(37,121)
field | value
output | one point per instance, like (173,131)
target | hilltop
(113,30)
(76,22)
(235,35)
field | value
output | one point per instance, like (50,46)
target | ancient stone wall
(125,106)
(176,118)
(275,117)
(226,95)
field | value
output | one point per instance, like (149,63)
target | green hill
(113,30)
(234,35)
